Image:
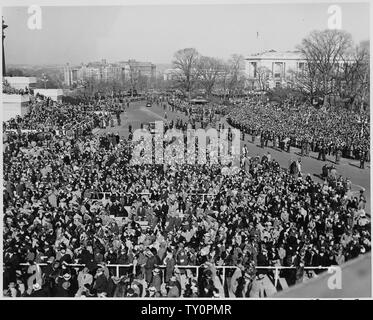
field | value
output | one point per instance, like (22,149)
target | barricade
(121,269)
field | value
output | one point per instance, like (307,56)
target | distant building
(174,73)
(278,69)
(273,67)
(103,71)
(171,74)
(70,75)
(147,69)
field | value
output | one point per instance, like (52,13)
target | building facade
(171,74)
(70,75)
(103,71)
(272,69)
(146,69)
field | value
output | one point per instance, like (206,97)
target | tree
(208,70)
(325,51)
(15,72)
(185,61)
(134,78)
(306,80)
(235,77)
(352,80)
(263,74)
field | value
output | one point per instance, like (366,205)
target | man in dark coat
(149,266)
(101,283)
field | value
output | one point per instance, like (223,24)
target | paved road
(138,113)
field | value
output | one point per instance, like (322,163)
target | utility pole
(4,26)
(44,79)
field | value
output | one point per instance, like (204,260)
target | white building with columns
(272,67)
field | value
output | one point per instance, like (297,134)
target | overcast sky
(154,33)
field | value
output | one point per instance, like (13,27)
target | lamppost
(4,26)
(44,79)
(85,86)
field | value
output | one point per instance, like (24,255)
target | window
(278,69)
(278,84)
(301,66)
(253,71)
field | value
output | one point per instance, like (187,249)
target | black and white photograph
(180,151)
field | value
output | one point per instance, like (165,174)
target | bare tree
(263,74)
(185,61)
(306,80)
(335,69)
(208,71)
(324,51)
(134,75)
(236,79)
(352,78)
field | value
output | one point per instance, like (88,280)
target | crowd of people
(335,131)
(74,206)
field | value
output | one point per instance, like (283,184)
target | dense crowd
(338,132)
(74,206)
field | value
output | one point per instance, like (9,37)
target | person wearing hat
(64,254)
(101,282)
(131,293)
(162,251)
(170,263)
(157,279)
(151,292)
(37,291)
(63,284)
(150,264)
(182,256)
(12,290)
(174,288)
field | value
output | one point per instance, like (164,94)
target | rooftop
(273,54)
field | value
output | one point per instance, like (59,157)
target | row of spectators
(327,131)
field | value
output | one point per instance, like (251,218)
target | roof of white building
(49,92)
(171,71)
(276,55)
(20,80)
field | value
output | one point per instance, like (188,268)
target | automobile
(148,104)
